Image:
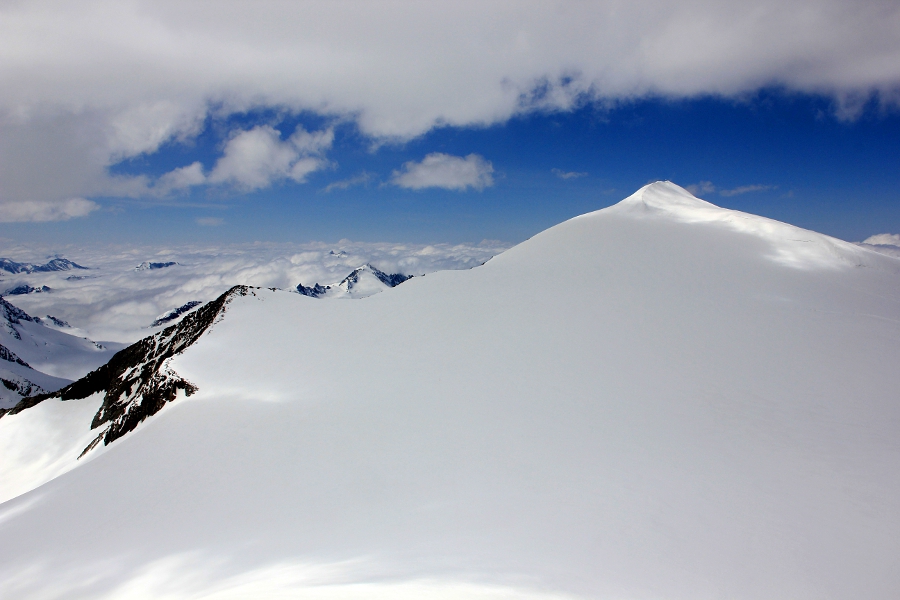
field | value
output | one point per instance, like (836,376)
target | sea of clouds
(114,300)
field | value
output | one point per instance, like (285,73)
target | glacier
(663,399)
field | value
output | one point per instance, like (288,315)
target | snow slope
(49,349)
(694,403)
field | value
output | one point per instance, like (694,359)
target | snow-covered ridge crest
(137,380)
(791,246)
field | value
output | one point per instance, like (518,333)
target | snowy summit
(662,399)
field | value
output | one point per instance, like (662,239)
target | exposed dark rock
(11,315)
(15,315)
(175,313)
(10,356)
(58,322)
(23,387)
(314,291)
(137,380)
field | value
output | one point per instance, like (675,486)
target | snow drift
(662,399)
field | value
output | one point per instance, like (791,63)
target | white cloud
(567,174)
(883,239)
(181,178)
(210,221)
(83,85)
(255,158)
(445,171)
(704,187)
(344,184)
(45,210)
(707,187)
(745,189)
(117,302)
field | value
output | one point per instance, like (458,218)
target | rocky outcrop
(138,381)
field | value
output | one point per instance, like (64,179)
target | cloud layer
(113,301)
(44,210)
(439,170)
(85,85)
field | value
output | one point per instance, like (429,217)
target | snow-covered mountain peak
(666,196)
(789,245)
(630,404)
(363,281)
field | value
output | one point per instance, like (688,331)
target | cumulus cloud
(883,239)
(439,170)
(567,174)
(181,178)
(45,210)
(84,85)
(253,159)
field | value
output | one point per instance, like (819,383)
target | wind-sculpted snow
(790,245)
(675,412)
(138,381)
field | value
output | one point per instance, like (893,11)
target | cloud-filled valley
(117,300)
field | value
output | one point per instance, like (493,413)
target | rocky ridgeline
(137,380)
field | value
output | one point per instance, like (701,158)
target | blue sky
(437,140)
(781,155)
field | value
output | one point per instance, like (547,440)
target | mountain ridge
(137,380)
(673,412)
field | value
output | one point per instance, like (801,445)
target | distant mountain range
(57,264)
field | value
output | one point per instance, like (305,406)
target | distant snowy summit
(362,282)
(21,290)
(151,266)
(57,264)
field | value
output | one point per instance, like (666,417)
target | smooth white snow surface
(660,400)
(56,352)
(43,442)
